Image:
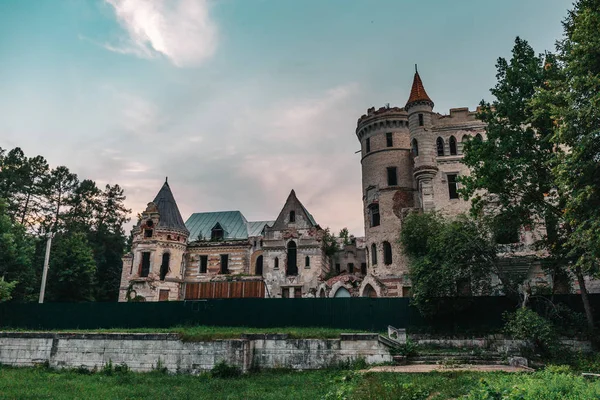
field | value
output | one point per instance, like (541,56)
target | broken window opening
(203,264)
(387,253)
(292,266)
(148,233)
(350,268)
(374,215)
(373,254)
(292,216)
(392,176)
(421,122)
(363,268)
(224,263)
(164,267)
(217,232)
(389,139)
(415,148)
(276,264)
(452,186)
(145,270)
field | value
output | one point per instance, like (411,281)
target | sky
(240,101)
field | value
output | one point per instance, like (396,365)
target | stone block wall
(144,352)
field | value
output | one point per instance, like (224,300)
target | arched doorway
(322,292)
(342,292)
(369,291)
(292,265)
(259,265)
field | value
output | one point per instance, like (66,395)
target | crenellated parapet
(385,118)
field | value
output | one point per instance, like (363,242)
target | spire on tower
(418,93)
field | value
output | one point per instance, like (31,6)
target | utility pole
(46,262)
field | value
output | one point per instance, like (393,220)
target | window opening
(224,263)
(292,265)
(415,148)
(203,264)
(374,254)
(389,139)
(145,264)
(148,233)
(307,262)
(217,232)
(421,120)
(368,145)
(452,186)
(350,268)
(259,265)
(374,214)
(387,253)
(297,293)
(452,143)
(392,176)
(363,268)
(292,216)
(276,266)
(440,146)
(164,267)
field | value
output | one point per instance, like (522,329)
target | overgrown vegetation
(554,383)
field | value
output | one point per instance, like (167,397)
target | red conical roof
(418,92)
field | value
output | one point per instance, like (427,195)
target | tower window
(350,268)
(452,186)
(145,268)
(307,262)
(224,263)
(276,263)
(452,143)
(392,176)
(259,266)
(415,147)
(440,146)
(292,266)
(292,216)
(387,253)
(373,254)
(363,268)
(374,215)
(203,264)
(389,139)
(368,145)
(164,267)
(421,120)
(147,233)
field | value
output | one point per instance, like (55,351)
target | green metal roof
(234,224)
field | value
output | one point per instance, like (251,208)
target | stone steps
(452,358)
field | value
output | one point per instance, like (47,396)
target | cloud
(180,30)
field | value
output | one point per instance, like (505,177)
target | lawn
(41,383)
(203,333)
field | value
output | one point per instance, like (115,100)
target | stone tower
(420,115)
(388,188)
(155,268)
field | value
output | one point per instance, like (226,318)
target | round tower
(155,269)
(420,110)
(387,189)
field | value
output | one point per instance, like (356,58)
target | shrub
(224,371)
(525,324)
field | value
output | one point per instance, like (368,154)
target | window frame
(224,264)
(389,139)
(203,265)
(452,193)
(392,172)
(367,145)
(372,214)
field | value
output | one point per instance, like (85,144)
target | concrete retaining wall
(144,352)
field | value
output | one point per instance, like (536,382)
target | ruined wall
(143,352)
(239,259)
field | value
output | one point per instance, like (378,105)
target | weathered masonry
(143,352)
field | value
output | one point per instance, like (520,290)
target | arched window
(292,216)
(307,262)
(276,263)
(292,266)
(164,267)
(415,148)
(466,138)
(374,214)
(342,292)
(259,265)
(373,254)
(387,253)
(440,146)
(479,138)
(452,143)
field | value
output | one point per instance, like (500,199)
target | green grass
(205,333)
(41,383)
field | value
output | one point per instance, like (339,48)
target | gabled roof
(292,203)
(234,225)
(417,93)
(170,217)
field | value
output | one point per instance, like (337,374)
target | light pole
(45,271)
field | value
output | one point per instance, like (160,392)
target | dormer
(217,232)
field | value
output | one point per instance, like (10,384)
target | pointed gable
(294,209)
(170,217)
(418,93)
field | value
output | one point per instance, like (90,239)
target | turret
(420,111)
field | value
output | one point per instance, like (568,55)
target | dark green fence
(463,314)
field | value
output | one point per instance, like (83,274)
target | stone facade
(411,158)
(286,254)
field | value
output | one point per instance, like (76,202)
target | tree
(16,258)
(345,235)
(446,258)
(72,269)
(573,98)
(6,289)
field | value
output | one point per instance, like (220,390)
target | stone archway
(371,283)
(342,292)
(368,291)
(336,287)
